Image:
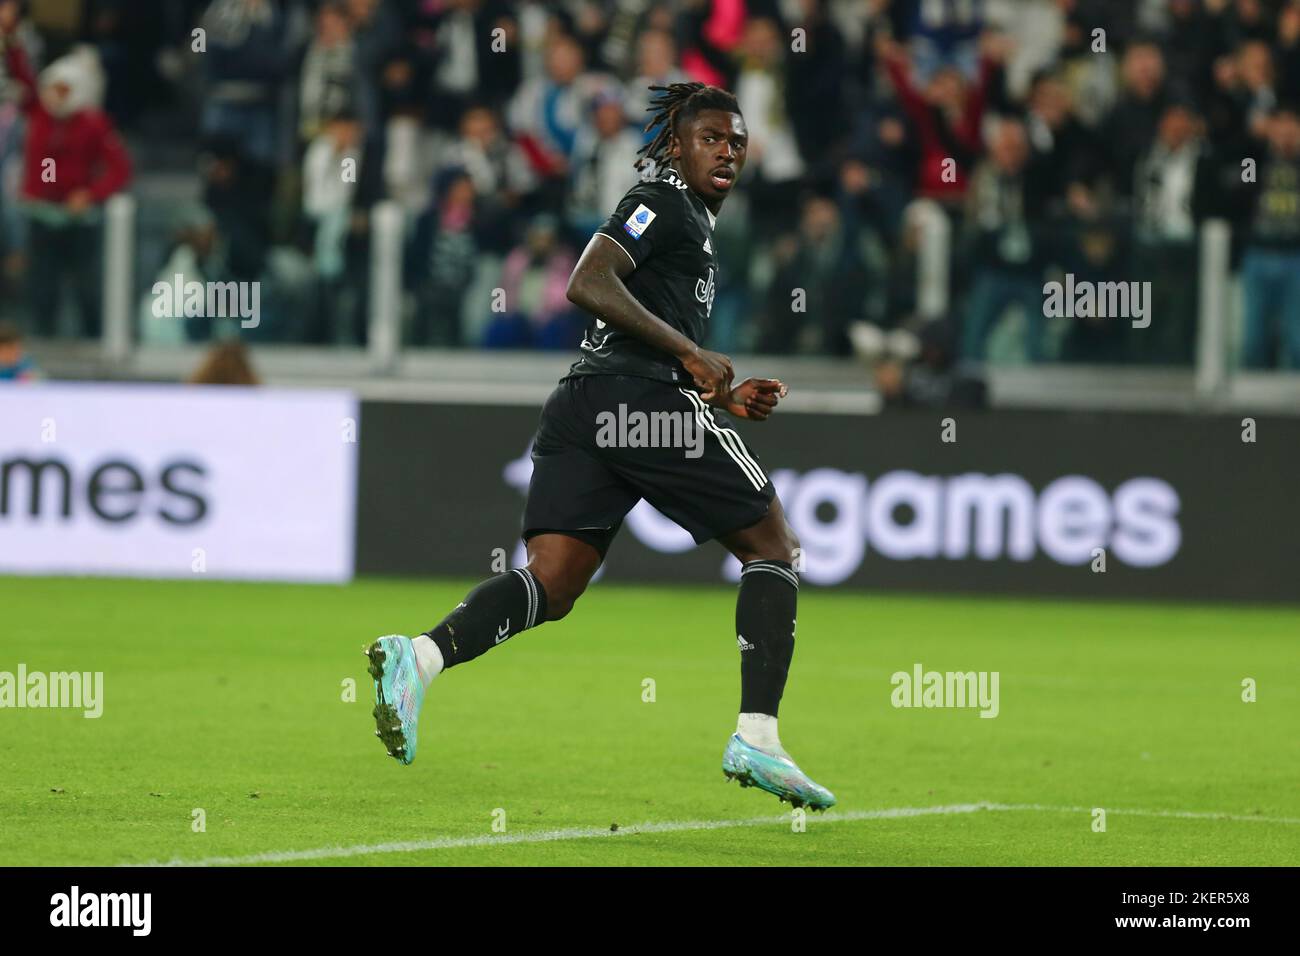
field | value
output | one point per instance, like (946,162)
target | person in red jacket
(945,115)
(73,161)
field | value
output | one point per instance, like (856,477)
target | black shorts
(604,442)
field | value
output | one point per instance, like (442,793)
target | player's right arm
(648,221)
(597,286)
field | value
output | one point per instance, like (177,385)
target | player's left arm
(754,398)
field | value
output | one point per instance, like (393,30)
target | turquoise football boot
(398,694)
(777,774)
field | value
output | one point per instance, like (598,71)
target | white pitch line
(1175,814)
(681,826)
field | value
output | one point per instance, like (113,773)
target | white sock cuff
(759,730)
(782,570)
(428,659)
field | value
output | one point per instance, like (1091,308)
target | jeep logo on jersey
(639,221)
(704,292)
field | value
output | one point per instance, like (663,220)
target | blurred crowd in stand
(1084,137)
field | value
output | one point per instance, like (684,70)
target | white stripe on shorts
(729,441)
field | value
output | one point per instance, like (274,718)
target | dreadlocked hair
(674,104)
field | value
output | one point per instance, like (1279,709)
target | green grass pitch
(228,698)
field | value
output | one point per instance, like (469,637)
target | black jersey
(667,232)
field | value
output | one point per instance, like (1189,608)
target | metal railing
(389,369)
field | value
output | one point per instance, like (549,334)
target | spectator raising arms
(946,116)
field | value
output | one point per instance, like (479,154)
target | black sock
(765,615)
(493,612)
